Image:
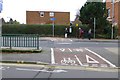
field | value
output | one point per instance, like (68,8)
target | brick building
(116,20)
(44,17)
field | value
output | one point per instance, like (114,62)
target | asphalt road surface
(87,59)
(32,71)
(83,53)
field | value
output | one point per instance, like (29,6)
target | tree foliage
(11,21)
(93,10)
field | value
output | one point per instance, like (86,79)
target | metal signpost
(112,19)
(94,27)
(53,19)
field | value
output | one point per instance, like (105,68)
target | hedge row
(46,30)
(42,30)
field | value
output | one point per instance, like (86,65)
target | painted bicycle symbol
(68,61)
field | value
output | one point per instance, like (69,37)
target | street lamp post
(94,26)
(112,19)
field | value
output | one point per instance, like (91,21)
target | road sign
(1,5)
(52,19)
(76,25)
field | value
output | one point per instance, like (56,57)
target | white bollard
(65,35)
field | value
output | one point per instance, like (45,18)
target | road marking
(103,65)
(67,61)
(63,43)
(71,40)
(70,50)
(44,70)
(52,56)
(94,65)
(89,61)
(78,50)
(79,60)
(62,49)
(112,65)
(2,68)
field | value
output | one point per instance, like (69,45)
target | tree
(3,21)
(11,21)
(93,10)
(15,22)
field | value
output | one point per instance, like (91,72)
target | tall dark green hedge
(46,30)
(43,30)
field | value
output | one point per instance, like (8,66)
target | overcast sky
(16,9)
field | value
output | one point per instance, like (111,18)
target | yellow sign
(76,25)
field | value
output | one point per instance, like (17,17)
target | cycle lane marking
(62,57)
(82,57)
(112,65)
(91,60)
(79,60)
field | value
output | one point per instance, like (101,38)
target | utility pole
(94,26)
(112,19)
(53,29)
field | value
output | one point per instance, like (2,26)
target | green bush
(46,30)
(42,30)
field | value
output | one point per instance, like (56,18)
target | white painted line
(44,70)
(79,60)
(89,61)
(52,56)
(78,50)
(63,43)
(22,69)
(62,49)
(70,50)
(85,64)
(103,65)
(94,65)
(112,65)
(71,40)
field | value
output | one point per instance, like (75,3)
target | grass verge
(21,51)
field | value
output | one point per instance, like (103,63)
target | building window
(41,14)
(51,14)
(109,12)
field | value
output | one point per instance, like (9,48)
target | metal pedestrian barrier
(20,40)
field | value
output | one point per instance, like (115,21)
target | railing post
(10,43)
(37,42)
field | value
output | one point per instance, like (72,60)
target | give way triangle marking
(91,60)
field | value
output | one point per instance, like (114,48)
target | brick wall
(116,6)
(33,17)
(116,11)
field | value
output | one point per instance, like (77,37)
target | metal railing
(20,40)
